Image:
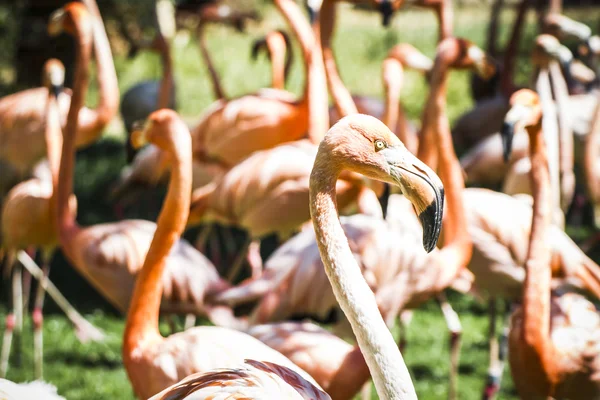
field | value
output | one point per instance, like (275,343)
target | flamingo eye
(380,145)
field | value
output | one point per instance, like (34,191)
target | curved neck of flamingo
(392,76)
(142,318)
(565,136)
(536,291)
(108,88)
(342,98)
(215,81)
(434,106)
(457,248)
(445,19)
(67,226)
(167,82)
(53,136)
(356,299)
(591,157)
(279,55)
(318,107)
(351,375)
(507,84)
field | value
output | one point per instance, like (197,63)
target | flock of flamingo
(269,163)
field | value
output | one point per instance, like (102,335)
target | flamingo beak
(484,65)
(422,187)
(386,10)
(313,7)
(568,27)
(512,119)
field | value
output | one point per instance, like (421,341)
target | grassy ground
(95,371)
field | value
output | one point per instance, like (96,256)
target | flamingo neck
(141,329)
(218,91)
(108,88)
(342,98)
(536,291)
(435,106)
(67,226)
(167,83)
(445,18)
(590,159)
(507,85)
(392,75)
(565,136)
(53,135)
(318,110)
(457,248)
(356,299)
(278,54)
(351,375)
(304,33)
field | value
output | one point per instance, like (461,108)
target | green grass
(95,371)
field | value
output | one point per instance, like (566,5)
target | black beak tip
(507,134)
(386,13)
(312,14)
(431,220)
(56,90)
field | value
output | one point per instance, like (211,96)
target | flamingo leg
(190,321)
(493,380)
(404,321)
(228,242)
(455,328)
(365,391)
(84,330)
(9,325)
(17,287)
(203,237)
(234,271)
(254,259)
(38,319)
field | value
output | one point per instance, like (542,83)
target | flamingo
(145,352)
(229,131)
(22,142)
(545,360)
(143,98)
(279,50)
(27,220)
(591,164)
(344,102)
(268,191)
(362,144)
(110,255)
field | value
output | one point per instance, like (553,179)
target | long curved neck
(167,83)
(318,107)
(356,299)
(54,141)
(314,97)
(551,138)
(278,54)
(435,106)
(591,156)
(536,291)
(565,137)
(457,248)
(142,318)
(342,98)
(67,226)
(507,85)
(108,88)
(445,18)
(392,76)
(212,71)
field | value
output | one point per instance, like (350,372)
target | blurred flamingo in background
(544,358)
(110,255)
(278,47)
(22,142)
(146,353)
